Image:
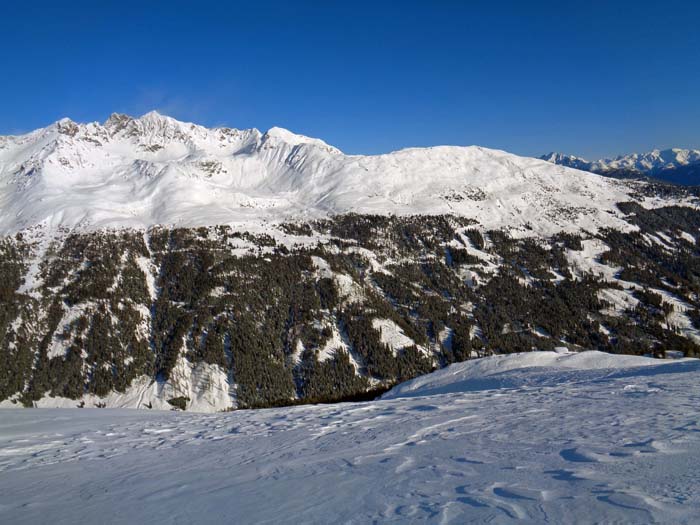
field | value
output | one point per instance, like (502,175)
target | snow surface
(544,437)
(513,370)
(152,170)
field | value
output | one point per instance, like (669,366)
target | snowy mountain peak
(153,115)
(137,172)
(117,121)
(66,126)
(566,160)
(151,128)
(649,163)
(276,135)
(155,121)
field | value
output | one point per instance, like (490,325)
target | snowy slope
(156,170)
(515,370)
(611,441)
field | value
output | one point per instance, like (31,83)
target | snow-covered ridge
(528,368)
(137,172)
(647,163)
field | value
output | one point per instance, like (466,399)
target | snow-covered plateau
(541,437)
(139,172)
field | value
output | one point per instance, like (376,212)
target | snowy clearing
(537,437)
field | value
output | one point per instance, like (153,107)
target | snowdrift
(534,369)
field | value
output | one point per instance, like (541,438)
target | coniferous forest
(333,309)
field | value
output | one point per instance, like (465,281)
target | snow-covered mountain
(137,172)
(212,269)
(570,161)
(539,437)
(675,164)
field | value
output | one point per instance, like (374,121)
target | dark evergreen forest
(122,304)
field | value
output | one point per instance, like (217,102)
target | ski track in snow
(547,445)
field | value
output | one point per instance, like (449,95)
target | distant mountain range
(678,166)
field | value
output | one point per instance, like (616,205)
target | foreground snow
(535,437)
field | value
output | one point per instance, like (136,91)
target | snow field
(569,438)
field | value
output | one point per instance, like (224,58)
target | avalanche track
(531,438)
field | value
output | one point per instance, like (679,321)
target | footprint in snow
(574,456)
(424,408)
(509,494)
(465,460)
(564,475)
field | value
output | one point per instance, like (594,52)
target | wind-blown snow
(156,170)
(586,438)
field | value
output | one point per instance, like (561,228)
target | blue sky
(593,79)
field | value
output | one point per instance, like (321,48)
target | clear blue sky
(593,79)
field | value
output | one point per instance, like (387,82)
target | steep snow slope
(156,170)
(603,442)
